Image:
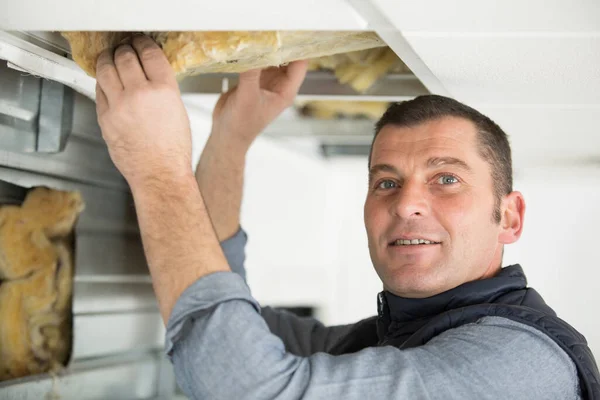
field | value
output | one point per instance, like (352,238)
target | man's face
(429,183)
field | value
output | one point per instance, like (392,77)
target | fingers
(296,72)
(101,100)
(221,102)
(128,66)
(107,76)
(153,60)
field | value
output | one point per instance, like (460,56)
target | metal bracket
(56,117)
(36,115)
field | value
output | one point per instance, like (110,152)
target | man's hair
(493,143)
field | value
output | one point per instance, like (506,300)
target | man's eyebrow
(382,168)
(439,161)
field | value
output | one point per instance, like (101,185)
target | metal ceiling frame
(46,54)
(380,24)
(25,56)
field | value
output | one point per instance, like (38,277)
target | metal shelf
(357,131)
(24,54)
(319,85)
(52,41)
(132,375)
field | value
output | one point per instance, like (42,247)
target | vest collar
(402,310)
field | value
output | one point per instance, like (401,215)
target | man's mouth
(411,242)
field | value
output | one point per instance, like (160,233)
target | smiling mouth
(412,242)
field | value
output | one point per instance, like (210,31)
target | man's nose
(411,200)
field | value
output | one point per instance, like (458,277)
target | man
(440,207)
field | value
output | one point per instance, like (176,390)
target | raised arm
(239,117)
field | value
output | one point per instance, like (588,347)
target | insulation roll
(36,272)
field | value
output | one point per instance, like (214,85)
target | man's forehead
(443,127)
(443,137)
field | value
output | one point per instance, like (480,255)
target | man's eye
(447,180)
(386,184)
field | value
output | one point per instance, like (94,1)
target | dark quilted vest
(406,323)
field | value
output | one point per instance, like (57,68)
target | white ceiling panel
(533,66)
(179,15)
(549,135)
(487,16)
(516,70)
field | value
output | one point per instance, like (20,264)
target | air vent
(35,114)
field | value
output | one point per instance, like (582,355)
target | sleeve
(301,335)
(222,349)
(234,249)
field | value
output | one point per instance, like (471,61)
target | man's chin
(414,281)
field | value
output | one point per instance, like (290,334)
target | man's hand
(239,117)
(147,130)
(141,114)
(260,96)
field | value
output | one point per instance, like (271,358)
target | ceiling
(533,67)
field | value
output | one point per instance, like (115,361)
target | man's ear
(513,215)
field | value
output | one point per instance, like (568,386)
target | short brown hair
(493,142)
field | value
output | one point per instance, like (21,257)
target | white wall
(283,211)
(358,282)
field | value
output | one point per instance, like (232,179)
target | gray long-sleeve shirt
(224,346)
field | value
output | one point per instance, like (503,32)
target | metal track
(46,54)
